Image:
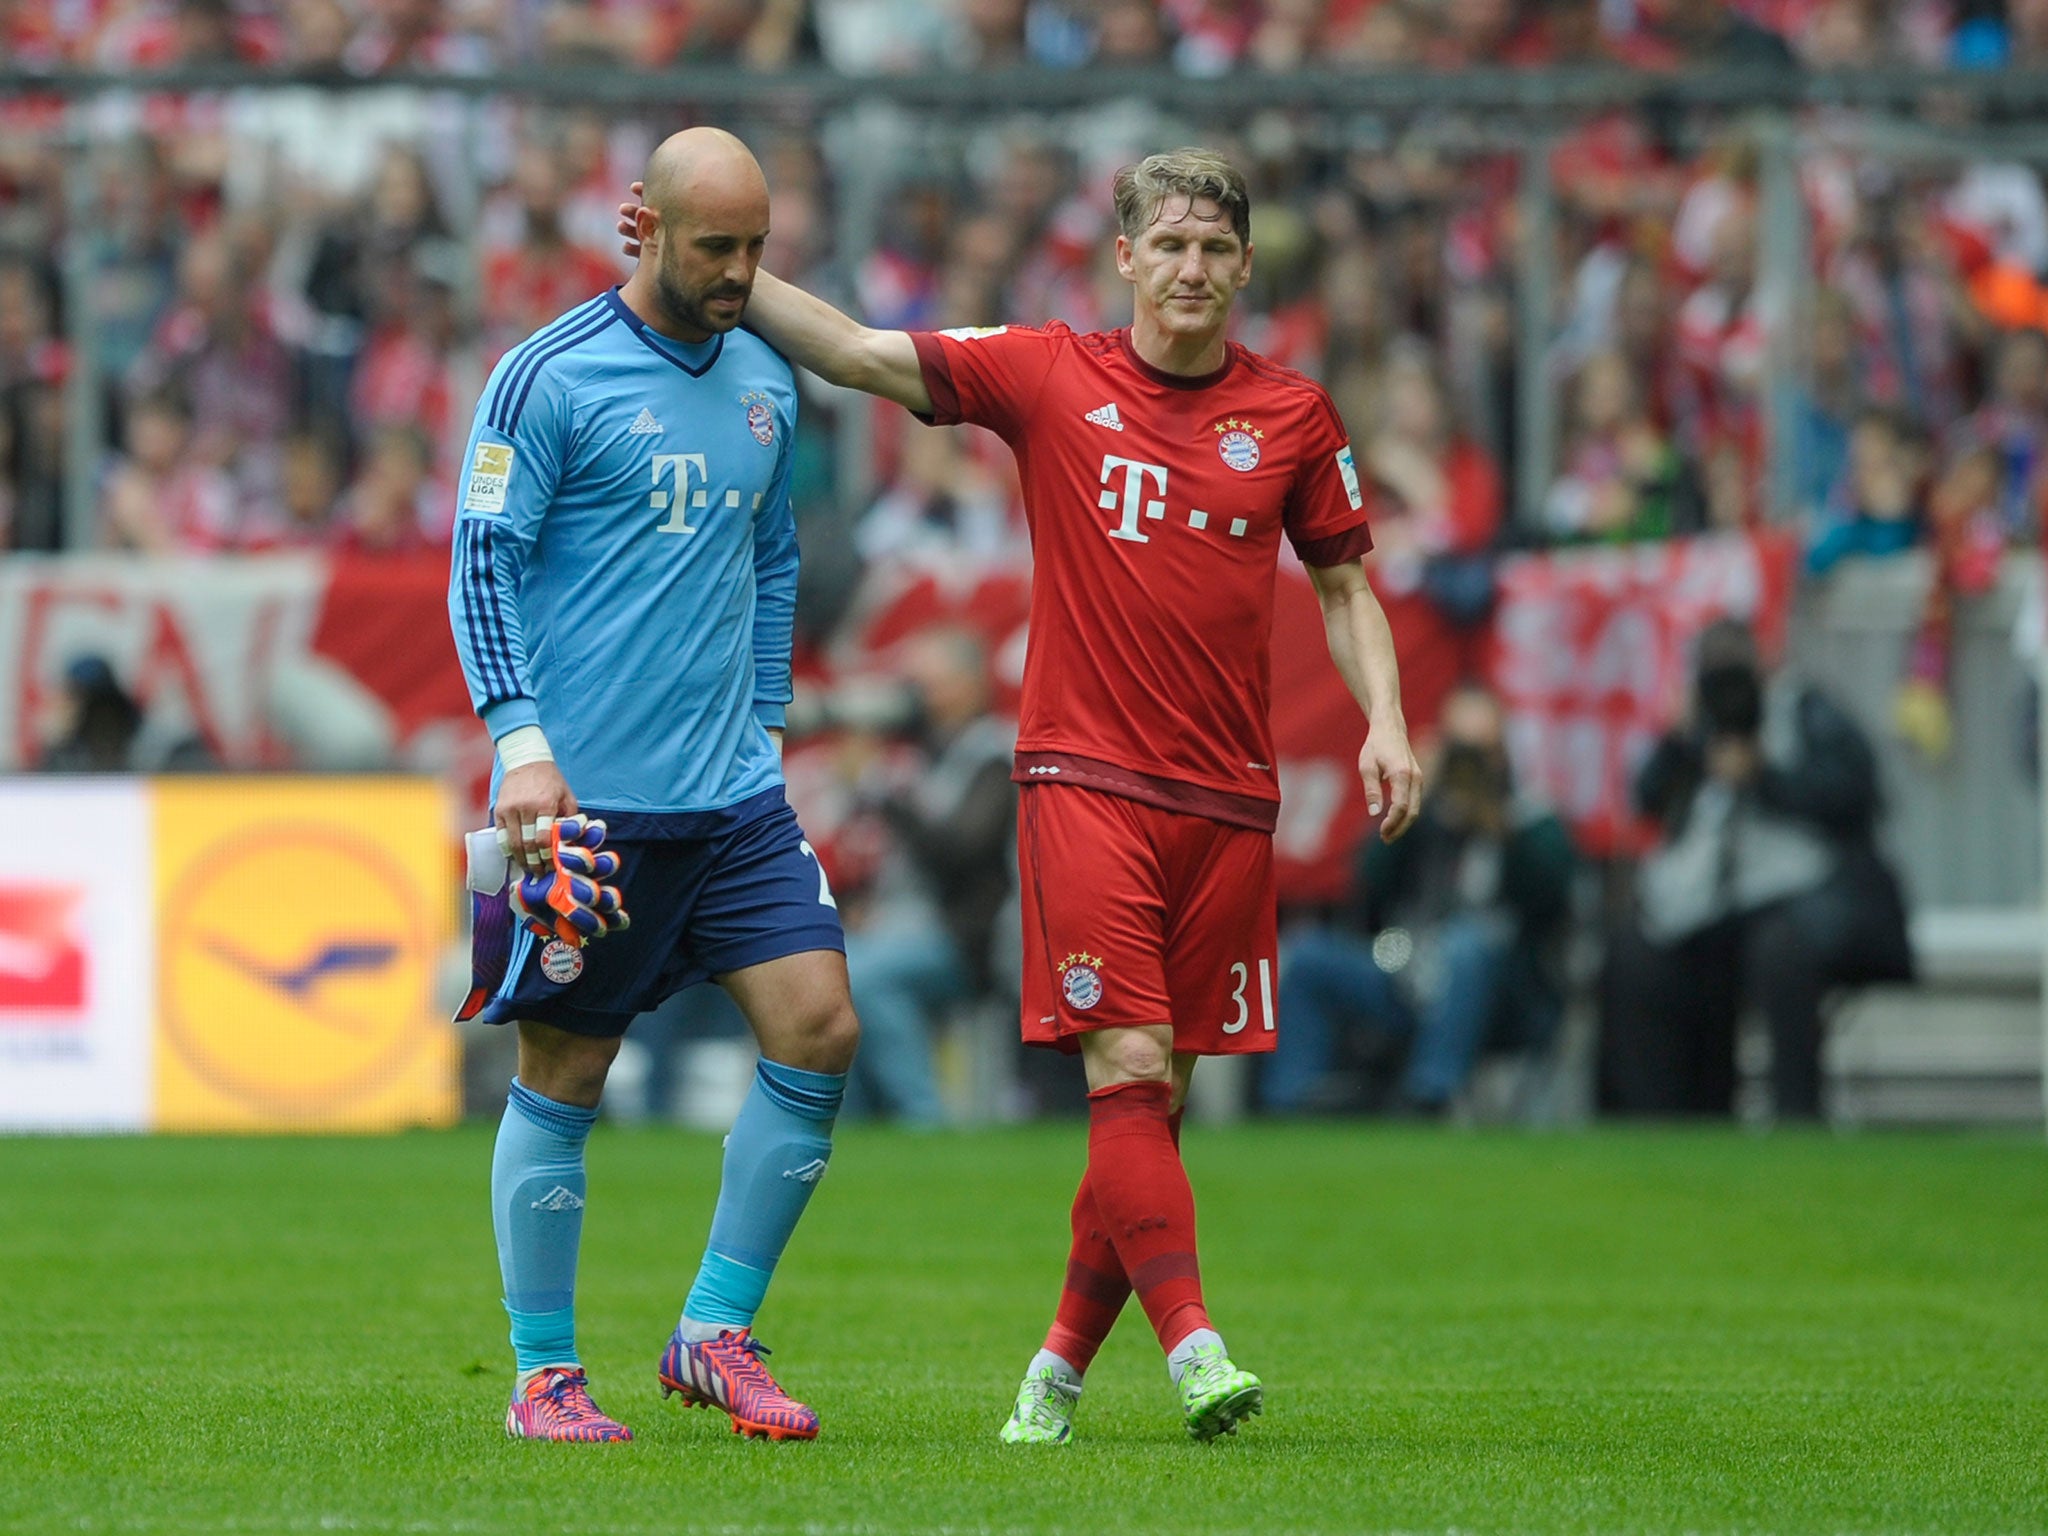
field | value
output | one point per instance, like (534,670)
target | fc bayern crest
(760,417)
(1081,981)
(561,963)
(1238,443)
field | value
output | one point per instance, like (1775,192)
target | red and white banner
(1593,653)
(1317,729)
(199,643)
(268,661)
(298,661)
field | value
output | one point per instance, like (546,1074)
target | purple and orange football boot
(556,1405)
(726,1372)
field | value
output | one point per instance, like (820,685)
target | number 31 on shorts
(1241,975)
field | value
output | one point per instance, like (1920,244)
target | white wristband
(522,745)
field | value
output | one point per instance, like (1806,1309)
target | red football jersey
(1156,504)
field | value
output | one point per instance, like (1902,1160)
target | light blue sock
(537,1191)
(774,1157)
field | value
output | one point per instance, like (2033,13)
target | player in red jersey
(1161,464)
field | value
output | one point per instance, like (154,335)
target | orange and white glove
(570,898)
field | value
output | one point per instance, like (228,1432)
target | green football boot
(1215,1396)
(1044,1414)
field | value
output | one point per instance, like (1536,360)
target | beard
(689,309)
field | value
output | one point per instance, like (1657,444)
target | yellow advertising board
(299,926)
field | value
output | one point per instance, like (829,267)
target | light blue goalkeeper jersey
(624,565)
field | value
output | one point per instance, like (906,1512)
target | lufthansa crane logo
(296,969)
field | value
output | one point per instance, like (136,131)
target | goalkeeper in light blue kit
(622,590)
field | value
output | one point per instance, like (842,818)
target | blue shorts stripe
(522,947)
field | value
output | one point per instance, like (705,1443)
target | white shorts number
(825,897)
(1243,973)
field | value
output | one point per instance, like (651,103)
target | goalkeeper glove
(570,899)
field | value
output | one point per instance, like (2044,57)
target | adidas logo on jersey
(1106,416)
(644,425)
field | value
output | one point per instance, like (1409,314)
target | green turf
(1615,1332)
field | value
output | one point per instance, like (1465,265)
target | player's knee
(570,1069)
(1128,1056)
(842,1034)
(829,1037)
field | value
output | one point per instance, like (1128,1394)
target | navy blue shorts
(715,892)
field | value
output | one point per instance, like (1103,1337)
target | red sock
(1096,1286)
(1141,1191)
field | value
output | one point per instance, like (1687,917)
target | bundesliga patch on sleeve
(490,473)
(1348,468)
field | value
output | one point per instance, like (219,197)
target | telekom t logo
(1131,501)
(680,467)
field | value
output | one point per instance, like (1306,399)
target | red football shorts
(1135,915)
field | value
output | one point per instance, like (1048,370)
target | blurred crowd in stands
(374,37)
(294,296)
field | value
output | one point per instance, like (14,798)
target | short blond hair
(1142,189)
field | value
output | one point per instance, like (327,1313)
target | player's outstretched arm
(814,335)
(1362,645)
(835,346)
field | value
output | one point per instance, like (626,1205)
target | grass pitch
(1641,1332)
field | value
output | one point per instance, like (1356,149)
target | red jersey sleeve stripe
(938,379)
(1336,548)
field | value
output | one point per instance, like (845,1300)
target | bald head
(705,171)
(702,230)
